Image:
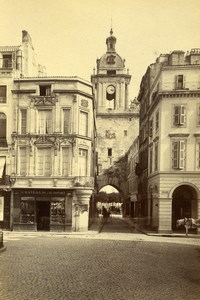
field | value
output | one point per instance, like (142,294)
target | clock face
(110,89)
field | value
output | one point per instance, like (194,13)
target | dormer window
(45,90)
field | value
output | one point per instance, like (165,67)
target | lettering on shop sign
(39,192)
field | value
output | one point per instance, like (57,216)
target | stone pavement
(120,263)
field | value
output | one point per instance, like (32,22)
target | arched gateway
(184,203)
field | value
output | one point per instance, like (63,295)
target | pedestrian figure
(104,212)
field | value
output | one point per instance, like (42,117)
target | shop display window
(57,211)
(27,212)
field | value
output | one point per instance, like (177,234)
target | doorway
(181,204)
(43,215)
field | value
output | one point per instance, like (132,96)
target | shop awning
(2,164)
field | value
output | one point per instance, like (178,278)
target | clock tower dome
(116,128)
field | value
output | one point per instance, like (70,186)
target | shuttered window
(179,115)
(83,125)
(178,154)
(66,121)
(23,121)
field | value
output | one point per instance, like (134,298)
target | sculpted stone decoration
(110,134)
(44,100)
(84,103)
(44,140)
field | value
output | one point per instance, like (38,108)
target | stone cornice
(63,91)
(179,135)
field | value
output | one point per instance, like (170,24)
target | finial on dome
(111,31)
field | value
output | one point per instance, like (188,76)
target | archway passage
(183,204)
(109,198)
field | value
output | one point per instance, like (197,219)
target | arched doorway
(182,203)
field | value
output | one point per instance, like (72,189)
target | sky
(69,35)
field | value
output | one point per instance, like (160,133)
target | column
(80,210)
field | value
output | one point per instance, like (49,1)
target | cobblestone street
(119,263)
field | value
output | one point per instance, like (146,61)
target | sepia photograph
(99,150)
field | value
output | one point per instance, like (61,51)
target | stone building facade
(169,139)
(47,159)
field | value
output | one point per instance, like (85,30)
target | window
(65,161)
(27,211)
(125,132)
(99,168)
(180,82)
(179,115)
(3,142)
(198,154)
(66,120)
(23,121)
(45,121)
(82,162)
(178,154)
(45,90)
(198,115)
(2,93)
(111,72)
(151,128)
(109,152)
(83,125)
(151,159)
(156,157)
(22,159)
(44,161)
(157,121)
(7,60)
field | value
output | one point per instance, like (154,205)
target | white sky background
(69,35)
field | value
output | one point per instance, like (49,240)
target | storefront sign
(1,208)
(40,192)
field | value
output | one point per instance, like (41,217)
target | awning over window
(2,164)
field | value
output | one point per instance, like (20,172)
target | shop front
(42,210)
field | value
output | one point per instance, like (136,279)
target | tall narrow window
(157,121)
(65,161)
(156,157)
(2,93)
(178,154)
(44,161)
(23,121)
(83,162)
(66,121)
(179,115)
(3,142)
(45,121)
(83,125)
(180,82)
(23,159)
(198,154)
(109,152)
(151,159)
(151,127)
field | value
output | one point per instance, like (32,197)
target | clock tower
(117,124)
